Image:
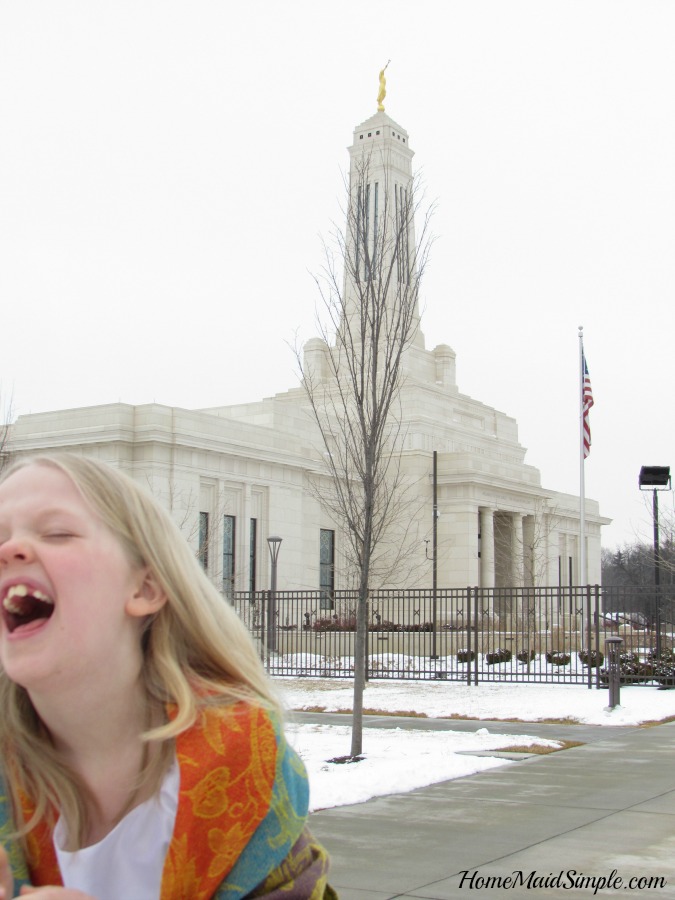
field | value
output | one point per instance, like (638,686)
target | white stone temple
(234,475)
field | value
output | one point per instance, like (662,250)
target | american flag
(586,402)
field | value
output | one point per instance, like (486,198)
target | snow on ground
(526,702)
(394,761)
(398,760)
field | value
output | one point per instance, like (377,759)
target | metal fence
(553,635)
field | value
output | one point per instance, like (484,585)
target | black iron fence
(473,634)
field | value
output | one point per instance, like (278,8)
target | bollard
(612,646)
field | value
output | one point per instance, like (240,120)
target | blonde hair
(196,650)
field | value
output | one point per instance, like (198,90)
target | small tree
(368,318)
(6,418)
(525,549)
(199,527)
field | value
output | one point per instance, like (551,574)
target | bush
(465,656)
(500,655)
(558,659)
(335,623)
(663,667)
(424,626)
(633,671)
(525,656)
(384,625)
(666,656)
(594,658)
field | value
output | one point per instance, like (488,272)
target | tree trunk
(360,647)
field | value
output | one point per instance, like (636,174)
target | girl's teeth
(22,590)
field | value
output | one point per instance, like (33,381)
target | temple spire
(380,228)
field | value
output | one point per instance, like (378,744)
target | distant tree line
(633,566)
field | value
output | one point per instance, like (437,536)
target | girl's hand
(6,877)
(40,893)
(54,893)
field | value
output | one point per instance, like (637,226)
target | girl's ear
(148,597)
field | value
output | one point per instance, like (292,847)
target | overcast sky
(167,170)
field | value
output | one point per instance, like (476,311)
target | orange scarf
(236,777)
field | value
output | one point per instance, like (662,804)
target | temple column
(487,547)
(517,547)
(531,550)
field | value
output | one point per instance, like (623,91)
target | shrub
(500,655)
(525,656)
(594,658)
(384,625)
(666,656)
(663,667)
(465,656)
(632,671)
(557,658)
(335,623)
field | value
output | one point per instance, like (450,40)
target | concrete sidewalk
(608,805)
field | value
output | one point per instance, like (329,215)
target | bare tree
(538,528)
(634,563)
(522,547)
(200,527)
(368,318)
(6,419)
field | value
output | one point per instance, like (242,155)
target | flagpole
(583,573)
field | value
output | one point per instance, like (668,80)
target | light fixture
(274,543)
(656,478)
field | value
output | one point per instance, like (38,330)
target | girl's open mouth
(23,605)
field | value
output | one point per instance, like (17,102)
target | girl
(141,751)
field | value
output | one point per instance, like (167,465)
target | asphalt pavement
(595,820)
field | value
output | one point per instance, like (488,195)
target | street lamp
(434,583)
(274,543)
(656,478)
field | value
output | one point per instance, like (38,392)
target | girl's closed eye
(56,529)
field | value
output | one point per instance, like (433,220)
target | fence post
(475,632)
(613,670)
(468,636)
(366,641)
(264,656)
(589,635)
(597,634)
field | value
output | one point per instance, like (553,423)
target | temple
(234,475)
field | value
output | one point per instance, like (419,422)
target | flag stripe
(586,403)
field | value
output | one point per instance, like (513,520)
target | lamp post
(434,601)
(656,478)
(274,543)
(434,559)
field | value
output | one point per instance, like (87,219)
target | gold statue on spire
(383,89)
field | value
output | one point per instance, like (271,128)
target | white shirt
(128,862)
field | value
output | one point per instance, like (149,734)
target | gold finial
(383,89)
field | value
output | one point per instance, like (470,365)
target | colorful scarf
(240,823)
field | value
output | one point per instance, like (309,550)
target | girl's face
(70,601)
